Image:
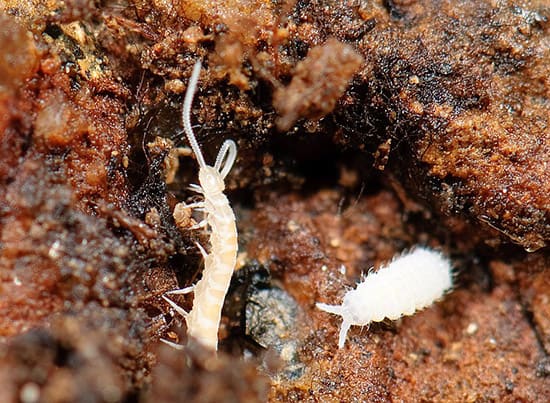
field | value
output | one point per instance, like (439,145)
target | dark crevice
(528,315)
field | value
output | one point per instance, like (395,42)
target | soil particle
(450,106)
(89,356)
(53,255)
(198,376)
(317,83)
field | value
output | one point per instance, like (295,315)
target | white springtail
(410,282)
(203,320)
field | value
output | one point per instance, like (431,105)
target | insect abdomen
(204,318)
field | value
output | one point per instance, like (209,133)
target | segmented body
(204,318)
(412,281)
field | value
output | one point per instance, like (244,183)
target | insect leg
(172,344)
(182,291)
(195,205)
(196,188)
(176,307)
(201,224)
(203,251)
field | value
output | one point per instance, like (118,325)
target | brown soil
(363,128)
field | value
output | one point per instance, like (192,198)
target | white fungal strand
(203,320)
(410,282)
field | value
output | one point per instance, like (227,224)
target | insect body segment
(204,318)
(411,282)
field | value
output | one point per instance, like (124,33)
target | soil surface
(363,128)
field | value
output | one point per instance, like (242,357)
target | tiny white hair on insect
(203,321)
(410,282)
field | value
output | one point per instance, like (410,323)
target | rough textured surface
(199,376)
(317,83)
(477,344)
(440,137)
(89,356)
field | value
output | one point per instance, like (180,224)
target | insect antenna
(343,333)
(186,113)
(227,153)
(335,309)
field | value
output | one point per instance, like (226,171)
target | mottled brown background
(363,127)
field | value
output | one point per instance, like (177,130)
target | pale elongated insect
(410,282)
(203,320)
